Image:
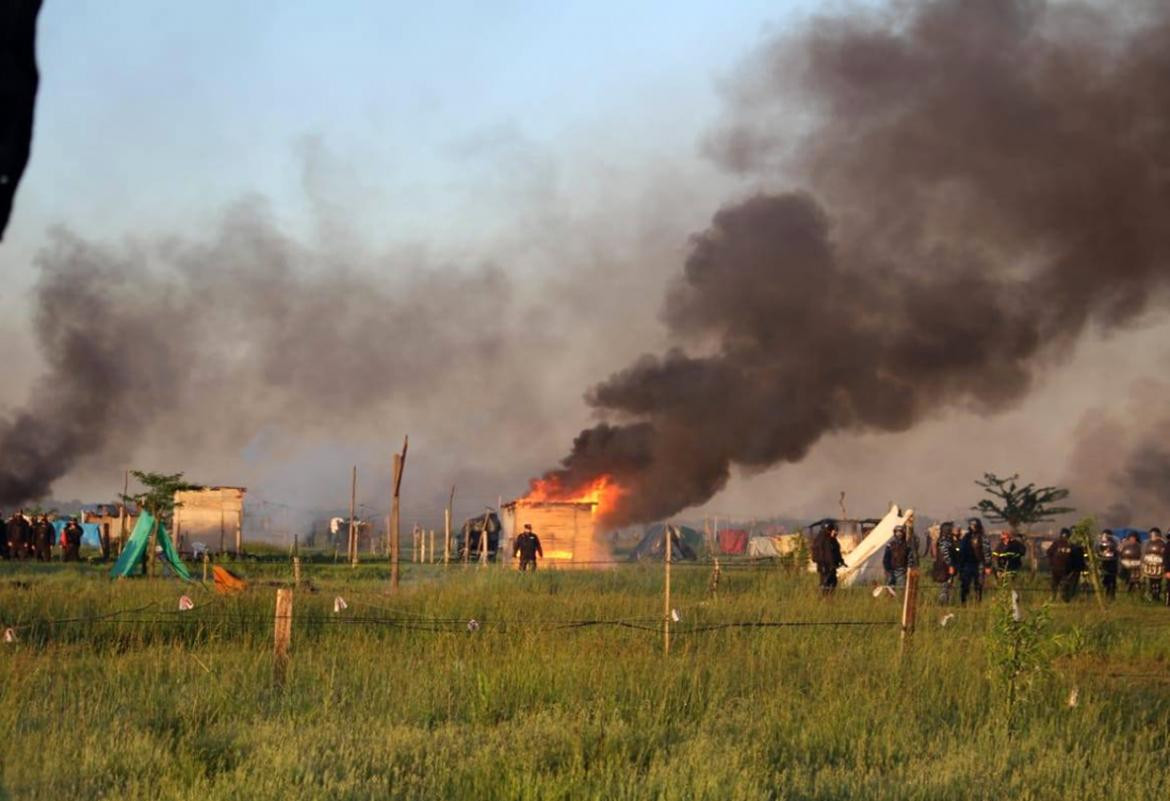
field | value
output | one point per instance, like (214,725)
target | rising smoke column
(979,181)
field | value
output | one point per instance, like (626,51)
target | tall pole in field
(392,533)
(909,607)
(122,511)
(352,552)
(667,532)
(447,513)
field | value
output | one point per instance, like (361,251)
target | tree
(158,498)
(1019,506)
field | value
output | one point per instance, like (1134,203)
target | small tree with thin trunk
(1019,506)
(158,498)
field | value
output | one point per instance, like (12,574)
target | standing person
(42,537)
(900,554)
(71,540)
(945,554)
(1131,561)
(826,553)
(1153,563)
(19,535)
(1108,558)
(971,561)
(527,548)
(1060,556)
(3,537)
(1008,556)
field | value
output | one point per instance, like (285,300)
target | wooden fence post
(392,533)
(206,559)
(282,636)
(909,607)
(352,549)
(431,551)
(296,571)
(666,593)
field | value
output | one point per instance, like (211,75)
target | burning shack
(567,529)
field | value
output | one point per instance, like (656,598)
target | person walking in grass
(528,548)
(1108,559)
(1008,556)
(899,556)
(945,556)
(971,561)
(826,553)
(71,541)
(42,537)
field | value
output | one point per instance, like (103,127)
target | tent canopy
(132,554)
(863,565)
(682,547)
(91,533)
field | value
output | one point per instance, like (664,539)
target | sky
(465,132)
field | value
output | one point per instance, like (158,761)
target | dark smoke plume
(980,182)
(203,344)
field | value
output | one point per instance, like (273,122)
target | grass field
(396,697)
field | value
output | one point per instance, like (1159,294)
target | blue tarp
(91,533)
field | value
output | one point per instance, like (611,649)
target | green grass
(160,704)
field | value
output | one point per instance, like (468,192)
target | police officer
(1131,561)
(71,539)
(945,556)
(1008,556)
(1108,559)
(42,537)
(3,537)
(19,535)
(826,553)
(971,561)
(900,554)
(1060,562)
(1153,559)
(527,547)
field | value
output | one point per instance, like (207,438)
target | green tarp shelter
(130,561)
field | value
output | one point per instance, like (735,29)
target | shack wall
(567,530)
(213,515)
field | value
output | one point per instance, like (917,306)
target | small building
(567,530)
(212,515)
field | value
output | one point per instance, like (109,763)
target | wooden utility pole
(152,546)
(205,561)
(122,511)
(351,553)
(483,539)
(667,532)
(392,532)
(282,636)
(296,562)
(447,514)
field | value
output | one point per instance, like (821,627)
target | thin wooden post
(483,546)
(152,546)
(447,536)
(296,571)
(352,550)
(222,530)
(239,529)
(122,511)
(666,593)
(282,636)
(206,560)
(432,548)
(392,533)
(909,608)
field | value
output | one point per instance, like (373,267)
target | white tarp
(762,546)
(863,565)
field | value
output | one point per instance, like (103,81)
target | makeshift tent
(131,559)
(863,565)
(227,582)
(91,533)
(733,541)
(767,546)
(682,547)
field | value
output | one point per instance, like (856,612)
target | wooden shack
(212,515)
(567,530)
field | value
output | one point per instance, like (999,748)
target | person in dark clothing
(1008,556)
(19,536)
(1153,563)
(945,556)
(900,555)
(971,561)
(1108,558)
(527,548)
(826,553)
(71,539)
(42,538)
(3,537)
(1066,560)
(1131,562)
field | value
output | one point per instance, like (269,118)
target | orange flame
(602,491)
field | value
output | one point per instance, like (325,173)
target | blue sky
(154,114)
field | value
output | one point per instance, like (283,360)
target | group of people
(34,537)
(964,558)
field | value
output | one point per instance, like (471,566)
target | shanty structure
(567,530)
(211,515)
